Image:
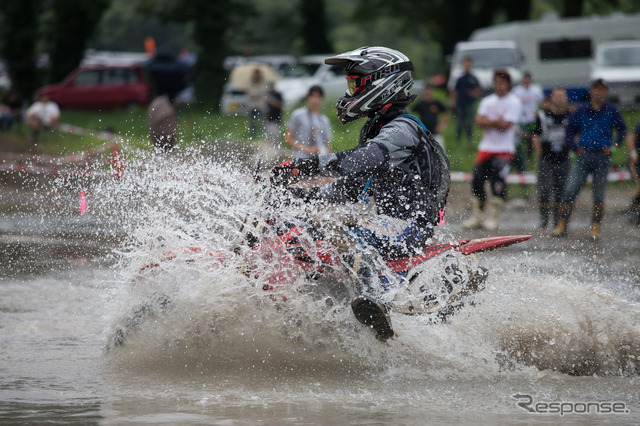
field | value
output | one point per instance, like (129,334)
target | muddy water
(556,325)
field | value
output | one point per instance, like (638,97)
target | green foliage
(448,21)
(314,28)
(426,31)
(125,25)
(213,22)
(73,24)
(19,34)
(423,50)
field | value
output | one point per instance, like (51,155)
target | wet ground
(557,323)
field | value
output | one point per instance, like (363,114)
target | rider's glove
(307,166)
(283,174)
(290,172)
(305,195)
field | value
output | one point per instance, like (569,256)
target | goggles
(355,83)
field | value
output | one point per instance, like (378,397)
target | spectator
(463,98)
(553,154)
(167,78)
(633,145)
(308,130)
(161,116)
(257,92)
(590,134)
(11,108)
(430,110)
(273,116)
(530,96)
(498,115)
(42,114)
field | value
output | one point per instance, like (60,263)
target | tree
(121,28)
(449,21)
(20,32)
(213,24)
(73,24)
(314,28)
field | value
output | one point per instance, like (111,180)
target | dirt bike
(276,255)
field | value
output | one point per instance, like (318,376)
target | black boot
(365,307)
(374,315)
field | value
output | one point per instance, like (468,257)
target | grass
(196,124)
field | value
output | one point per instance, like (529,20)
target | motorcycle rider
(397,166)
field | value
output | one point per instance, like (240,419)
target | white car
(310,71)
(618,63)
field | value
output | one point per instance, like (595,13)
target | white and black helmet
(376,76)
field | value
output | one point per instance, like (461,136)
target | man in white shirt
(42,114)
(530,96)
(498,116)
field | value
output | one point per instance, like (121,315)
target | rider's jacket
(397,162)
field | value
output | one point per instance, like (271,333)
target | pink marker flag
(83,203)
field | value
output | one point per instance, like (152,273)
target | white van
(487,56)
(557,51)
(618,63)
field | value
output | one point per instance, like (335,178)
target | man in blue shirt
(590,134)
(463,98)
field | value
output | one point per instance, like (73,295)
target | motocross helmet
(376,76)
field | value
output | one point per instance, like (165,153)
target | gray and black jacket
(397,162)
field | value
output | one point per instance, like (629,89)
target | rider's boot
(365,307)
(494,209)
(475,221)
(374,315)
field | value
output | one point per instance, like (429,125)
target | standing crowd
(520,120)
(571,142)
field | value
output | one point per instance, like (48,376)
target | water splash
(211,313)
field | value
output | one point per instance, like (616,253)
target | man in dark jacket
(590,134)
(397,165)
(462,99)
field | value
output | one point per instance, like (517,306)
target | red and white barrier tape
(56,165)
(51,165)
(75,130)
(532,178)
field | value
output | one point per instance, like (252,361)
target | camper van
(618,63)
(558,52)
(486,56)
